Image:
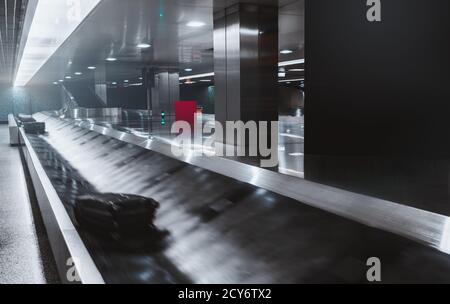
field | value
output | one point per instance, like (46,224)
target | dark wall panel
(379,88)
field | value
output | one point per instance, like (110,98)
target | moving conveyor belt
(217,229)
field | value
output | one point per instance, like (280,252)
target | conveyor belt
(220,230)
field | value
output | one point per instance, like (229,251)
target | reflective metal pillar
(246,62)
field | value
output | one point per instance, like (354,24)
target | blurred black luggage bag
(115,213)
(34,127)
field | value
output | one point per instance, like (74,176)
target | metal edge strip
(67,246)
(427,228)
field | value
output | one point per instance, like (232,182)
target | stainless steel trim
(13,131)
(64,238)
(421,226)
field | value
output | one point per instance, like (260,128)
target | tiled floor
(21,260)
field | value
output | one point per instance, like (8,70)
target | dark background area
(379,88)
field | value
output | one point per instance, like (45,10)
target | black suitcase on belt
(115,213)
(26,118)
(34,127)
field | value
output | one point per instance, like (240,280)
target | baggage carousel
(221,221)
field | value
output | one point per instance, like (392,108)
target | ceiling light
(44,38)
(188,70)
(291,62)
(197,76)
(61,80)
(282,74)
(296,70)
(144,45)
(285,52)
(205,80)
(55,82)
(68,77)
(78,73)
(126,81)
(111,59)
(195,24)
(291,80)
(114,83)
(91,67)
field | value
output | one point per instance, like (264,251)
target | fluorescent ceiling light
(282,74)
(61,80)
(144,45)
(114,83)
(280,64)
(111,59)
(92,68)
(285,52)
(188,70)
(51,23)
(195,24)
(126,81)
(296,70)
(291,62)
(205,80)
(68,77)
(78,73)
(291,80)
(55,82)
(197,76)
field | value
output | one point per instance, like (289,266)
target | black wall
(133,97)
(378,88)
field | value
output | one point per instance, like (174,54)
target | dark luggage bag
(115,213)
(23,118)
(34,127)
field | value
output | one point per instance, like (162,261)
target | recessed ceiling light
(195,24)
(78,73)
(126,80)
(285,52)
(188,70)
(91,67)
(144,45)
(61,80)
(282,74)
(55,82)
(68,77)
(111,59)
(140,78)
(114,83)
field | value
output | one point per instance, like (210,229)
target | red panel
(185,111)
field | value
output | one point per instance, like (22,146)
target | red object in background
(185,111)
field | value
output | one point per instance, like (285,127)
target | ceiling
(11,19)
(115,28)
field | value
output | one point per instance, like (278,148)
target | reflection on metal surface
(231,231)
(421,226)
(65,242)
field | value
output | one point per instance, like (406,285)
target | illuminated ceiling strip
(51,23)
(280,64)
(197,76)
(291,80)
(291,62)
